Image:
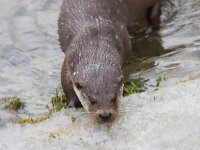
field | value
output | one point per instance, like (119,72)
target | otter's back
(76,15)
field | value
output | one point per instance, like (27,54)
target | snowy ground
(164,119)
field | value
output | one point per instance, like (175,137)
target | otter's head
(99,88)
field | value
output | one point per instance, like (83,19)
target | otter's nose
(105,116)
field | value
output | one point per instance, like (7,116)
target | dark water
(31,59)
(174,50)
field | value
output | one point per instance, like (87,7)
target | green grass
(12,103)
(33,121)
(58,101)
(134,86)
(158,81)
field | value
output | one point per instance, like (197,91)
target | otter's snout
(105,116)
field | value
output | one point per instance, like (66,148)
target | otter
(94,37)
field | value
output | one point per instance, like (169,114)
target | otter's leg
(153,14)
(68,88)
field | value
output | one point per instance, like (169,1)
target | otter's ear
(78,85)
(120,79)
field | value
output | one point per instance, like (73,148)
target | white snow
(168,118)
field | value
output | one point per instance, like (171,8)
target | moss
(12,103)
(134,86)
(33,121)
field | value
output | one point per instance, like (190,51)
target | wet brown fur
(93,35)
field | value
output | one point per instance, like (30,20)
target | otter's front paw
(74,102)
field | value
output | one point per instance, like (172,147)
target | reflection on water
(174,51)
(31,59)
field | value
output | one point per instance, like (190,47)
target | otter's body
(94,37)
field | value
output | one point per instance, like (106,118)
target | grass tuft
(12,103)
(134,86)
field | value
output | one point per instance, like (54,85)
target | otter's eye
(92,101)
(114,99)
(78,85)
